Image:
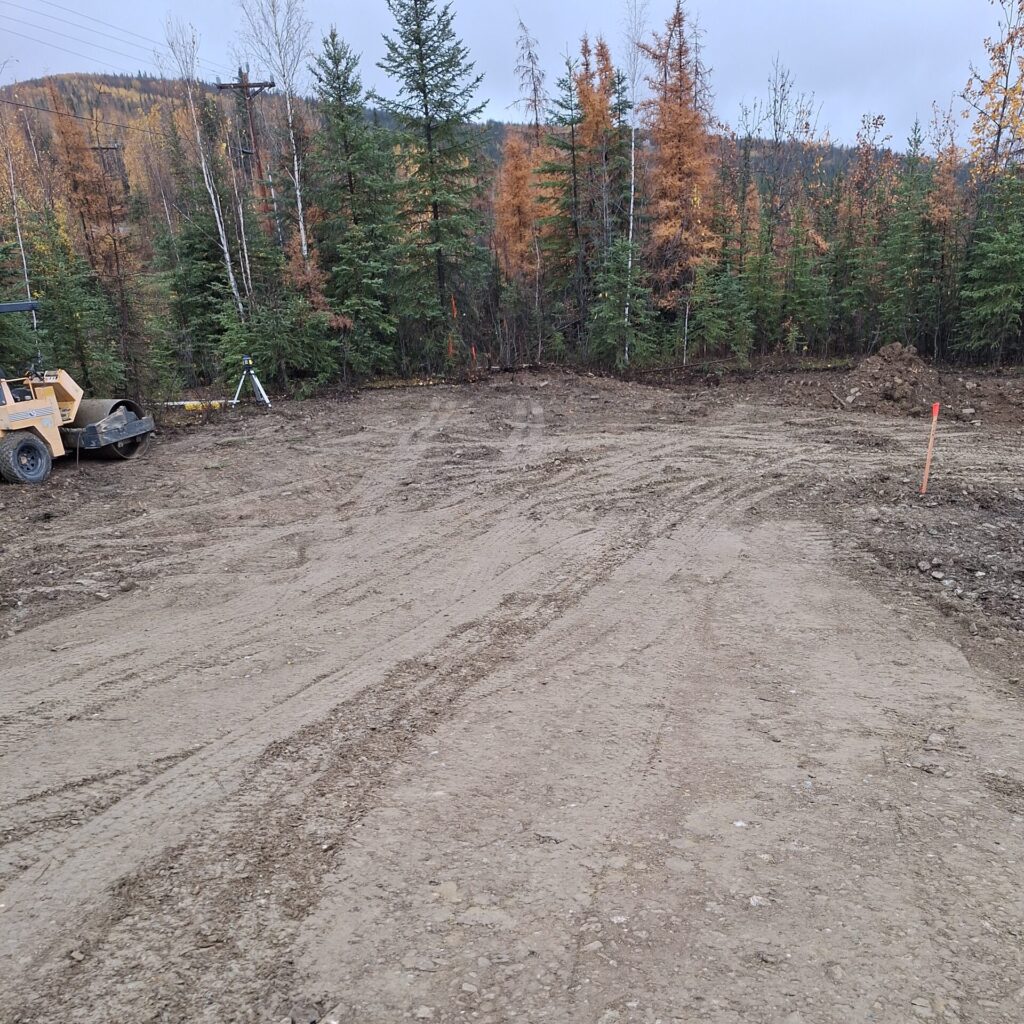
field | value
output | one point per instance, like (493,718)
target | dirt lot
(545,699)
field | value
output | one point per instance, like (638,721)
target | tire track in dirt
(112,679)
(489,642)
(147,820)
(431,635)
(713,507)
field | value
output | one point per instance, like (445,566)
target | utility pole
(248,90)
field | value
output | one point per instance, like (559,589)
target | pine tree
(615,342)
(909,253)
(764,286)
(442,159)
(722,319)
(77,324)
(805,310)
(569,276)
(993,290)
(865,210)
(603,149)
(354,191)
(193,261)
(948,216)
(17,344)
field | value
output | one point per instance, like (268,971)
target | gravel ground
(549,698)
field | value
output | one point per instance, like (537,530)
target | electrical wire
(74,53)
(117,28)
(82,117)
(74,39)
(99,21)
(74,24)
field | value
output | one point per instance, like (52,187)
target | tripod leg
(259,391)
(238,390)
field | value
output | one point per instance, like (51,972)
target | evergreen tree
(442,160)
(569,273)
(805,302)
(17,344)
(763,285)
(910,254)
(993,290)
(722,318)
(193,262)
(355,194)
(199,289)
(614,341)
(77,325)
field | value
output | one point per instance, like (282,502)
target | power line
(99,21)
(156,51)
(73,24)
(82,117)
(117,28)
(74,53)
(74,39)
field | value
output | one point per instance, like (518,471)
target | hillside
(127,99)
(122,102)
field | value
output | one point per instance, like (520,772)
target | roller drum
(92,410)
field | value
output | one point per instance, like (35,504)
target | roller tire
(24,458)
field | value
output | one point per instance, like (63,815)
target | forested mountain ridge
(110,97)
(120,102)
(167,225)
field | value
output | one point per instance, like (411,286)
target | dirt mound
(894,379)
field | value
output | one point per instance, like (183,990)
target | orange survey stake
(931,448)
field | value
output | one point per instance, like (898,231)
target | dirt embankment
(895,381)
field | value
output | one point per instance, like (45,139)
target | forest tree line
(336,234)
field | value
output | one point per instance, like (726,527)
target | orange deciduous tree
(997,95)
(514,210)
(679,207)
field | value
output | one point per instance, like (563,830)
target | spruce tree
(615,342)
(993,289)
(442,158)
(910,255)
(722,317)
(17,345)
(199,288)
(77,323)
(561,183)
(354,189)
(805,303)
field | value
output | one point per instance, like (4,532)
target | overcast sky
(880,56)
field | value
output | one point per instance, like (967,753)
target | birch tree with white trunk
(183,43)
(12,183)
(636,28)
(277,34)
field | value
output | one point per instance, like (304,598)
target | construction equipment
(43,415)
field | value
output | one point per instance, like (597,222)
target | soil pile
(894,379)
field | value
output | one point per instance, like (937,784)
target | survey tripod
(249,374)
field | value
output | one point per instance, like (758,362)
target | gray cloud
(881,56)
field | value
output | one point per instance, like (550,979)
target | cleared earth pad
(550,699)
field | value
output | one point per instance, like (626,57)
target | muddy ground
(549,698)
